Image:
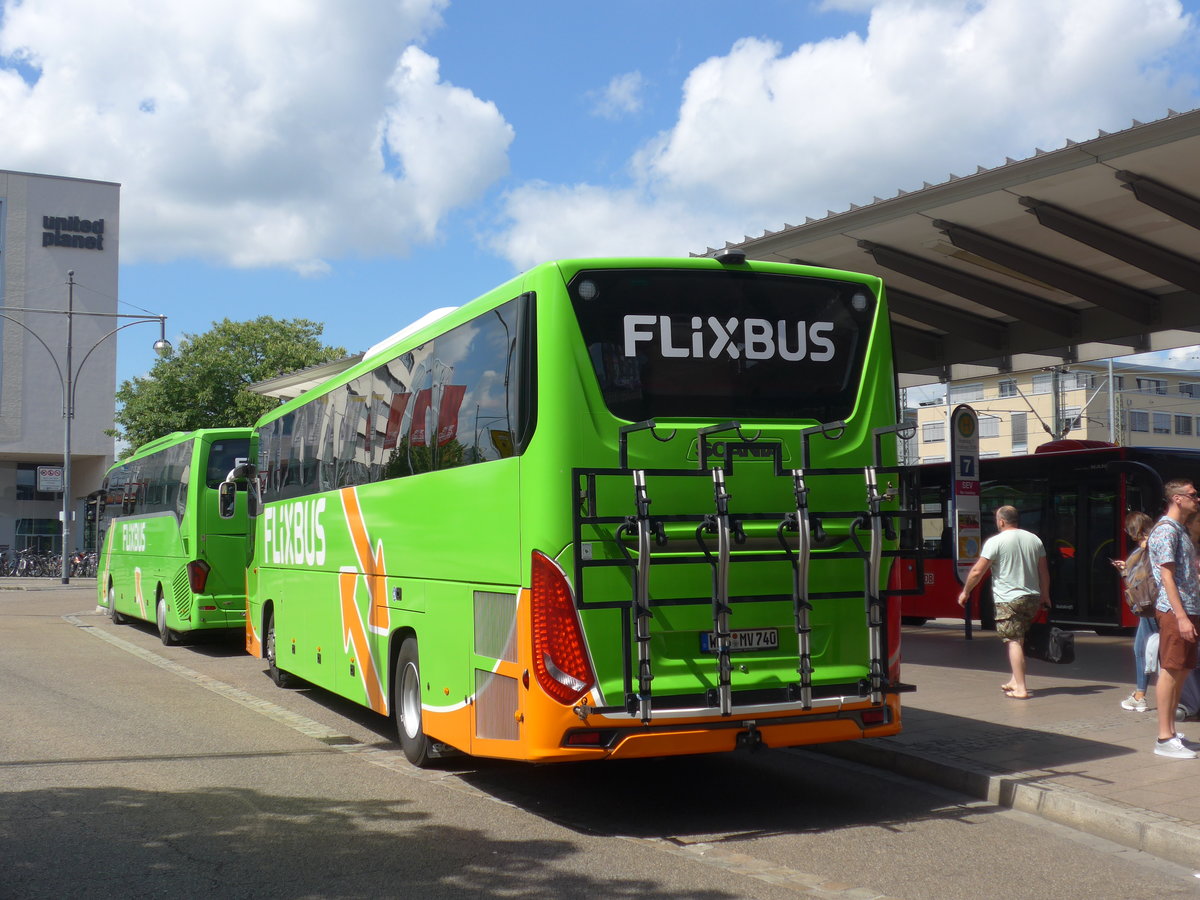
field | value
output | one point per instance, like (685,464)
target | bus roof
(179,437)
(445,318)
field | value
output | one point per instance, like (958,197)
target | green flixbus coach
(168,553)
(613,508)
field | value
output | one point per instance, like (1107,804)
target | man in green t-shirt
(1020,588)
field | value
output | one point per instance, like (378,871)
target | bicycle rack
(717,532)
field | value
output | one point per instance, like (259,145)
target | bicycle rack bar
(720,593)
(641,595)
(875,608)
(801,605)
(642,525)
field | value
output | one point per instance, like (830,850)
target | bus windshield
(729,344)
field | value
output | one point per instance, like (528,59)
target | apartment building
(1121,403)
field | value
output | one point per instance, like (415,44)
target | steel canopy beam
(1137,306)
(1010,302)
(1175,204)
(969,326)
(1169,266)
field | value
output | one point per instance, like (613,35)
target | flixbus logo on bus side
(764,449)
(756,338)
(133,537)
(294,533)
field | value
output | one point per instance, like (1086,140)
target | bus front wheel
(406,703)
(117,618)
(169,637)
(281,678)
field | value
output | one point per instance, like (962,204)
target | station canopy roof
(1072,255)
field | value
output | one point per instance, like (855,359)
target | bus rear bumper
(602,738)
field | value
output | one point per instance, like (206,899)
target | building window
(1020,435)
(1139,420)
(27,484)
(1042,384)
(1072,419)
(931,432)
(933,459)
(38,535)
(1162,423)
(1189,388)
(989,426)
(965,393)
(1118,382)
(1183,425)
(1151,386)
(1008,388)
(1080,381)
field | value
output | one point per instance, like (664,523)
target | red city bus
(1074,495)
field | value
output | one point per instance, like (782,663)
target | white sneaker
(1137,704)
(1191,745)
(1173,748)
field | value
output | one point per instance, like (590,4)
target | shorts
(1173,651)
(1012,619)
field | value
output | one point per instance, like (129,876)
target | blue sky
(360,163)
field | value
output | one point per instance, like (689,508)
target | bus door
(1080,544)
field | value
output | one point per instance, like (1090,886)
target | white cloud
(592,221)
(621,97)
(252,134)
(766,136)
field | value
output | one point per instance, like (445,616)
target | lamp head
(162,347)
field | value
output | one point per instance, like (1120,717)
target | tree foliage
(202,383)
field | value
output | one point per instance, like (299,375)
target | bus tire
(117,618)
(281,678)
(406,698)
(168,637)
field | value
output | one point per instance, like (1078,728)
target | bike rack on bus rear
(645,530)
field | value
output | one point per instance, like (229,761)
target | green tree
(202,383)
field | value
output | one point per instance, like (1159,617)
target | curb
(38,584)
(1160,835)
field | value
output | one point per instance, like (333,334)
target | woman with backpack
(1138,578)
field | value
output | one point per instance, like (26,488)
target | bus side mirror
(226,499)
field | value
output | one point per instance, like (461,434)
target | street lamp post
(68,375)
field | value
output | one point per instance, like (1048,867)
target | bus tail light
(560,659)
(197,571)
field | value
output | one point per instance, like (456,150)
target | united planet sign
(72,231)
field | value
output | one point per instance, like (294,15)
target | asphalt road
(131,769)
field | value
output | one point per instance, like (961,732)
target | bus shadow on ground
(718,798)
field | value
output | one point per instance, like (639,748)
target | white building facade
(49,227)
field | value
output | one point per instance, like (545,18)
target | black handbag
(1050,644)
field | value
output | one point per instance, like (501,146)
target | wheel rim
(410,701)
(112,599)
(271,645)
(160,613)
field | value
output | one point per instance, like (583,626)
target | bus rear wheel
(169,637)
(281,678)
(117,618)
(406,705)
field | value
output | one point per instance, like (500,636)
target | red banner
(395,416)
(452,398)
(416,433)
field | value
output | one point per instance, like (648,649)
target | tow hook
(750,739)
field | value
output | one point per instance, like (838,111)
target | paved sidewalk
(1070,753)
